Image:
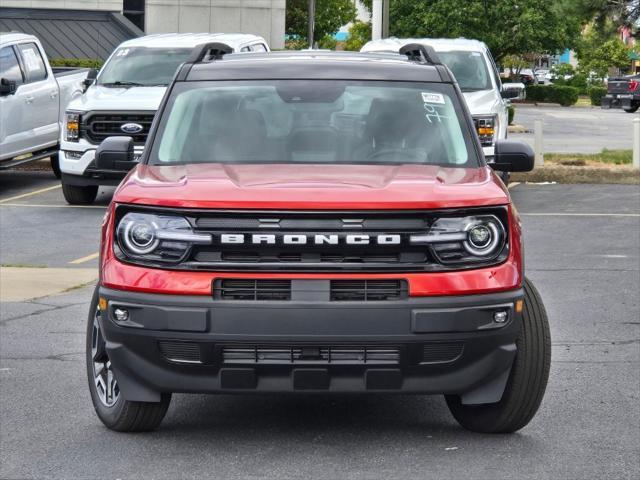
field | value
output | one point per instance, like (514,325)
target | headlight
(487,128)
(159,238)
(72,126)
(468,239)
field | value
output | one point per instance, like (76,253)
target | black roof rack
(209,51)
(417,52)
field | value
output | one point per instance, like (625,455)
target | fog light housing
(121,315)
(500,316)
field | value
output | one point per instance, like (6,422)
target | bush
(328,42)
(596,94)
(296,44)
(512,114)
(76,62)
(565,96)
(359,34)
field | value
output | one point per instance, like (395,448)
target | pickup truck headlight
(469,239)
(156,238)
(72,129)
(487,128)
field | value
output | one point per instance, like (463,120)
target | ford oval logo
(131,128)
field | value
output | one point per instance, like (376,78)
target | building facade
(260,17)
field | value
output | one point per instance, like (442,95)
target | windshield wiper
(122,84)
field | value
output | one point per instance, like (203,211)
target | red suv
(315,223)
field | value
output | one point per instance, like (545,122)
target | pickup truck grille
(96,126)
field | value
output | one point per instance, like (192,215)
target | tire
(55,165)
(633,109)
(527,380)
(112,409)
(77,195)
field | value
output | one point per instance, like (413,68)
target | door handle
(28,100)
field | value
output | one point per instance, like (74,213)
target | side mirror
(512,89)
(7,87)
(90,78)
(512,156)
(115,153)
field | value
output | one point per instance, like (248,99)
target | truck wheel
(77,195)
(633,109)
(114,411)
(527,380)
(55,165)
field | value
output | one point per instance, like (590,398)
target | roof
(11,37)
(316,65)
(71,33)
(439,44)
(190,40)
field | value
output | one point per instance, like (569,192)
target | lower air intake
(442,352)
(180,352)
(311,355)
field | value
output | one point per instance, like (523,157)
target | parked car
(543,76)
(311,222)
(32,101)
(528,76)
(473,66)
(623,92)
(123,100)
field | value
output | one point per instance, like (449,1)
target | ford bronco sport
(315,222)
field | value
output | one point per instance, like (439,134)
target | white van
(476,72)
(123,101)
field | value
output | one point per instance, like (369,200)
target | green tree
(330,16)
(359,34)
(508,27)
(597,54)
(607,15)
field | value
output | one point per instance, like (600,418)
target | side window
(36,70)
(245,49)
(258,47)
(9,66)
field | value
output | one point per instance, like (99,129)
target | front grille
(180,352)
(97,126)
(368,290)
(311,355)
(334,290)
(442,352)
(232,289)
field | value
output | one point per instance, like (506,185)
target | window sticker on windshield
(428,97)
(32,60)
(122,53)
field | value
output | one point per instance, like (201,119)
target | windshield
(142,66)
(322,121)
(469,68)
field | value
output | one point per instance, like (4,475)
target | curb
(572,175)
(517,129)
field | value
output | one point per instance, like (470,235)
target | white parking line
(50,206)
(85,259)
(35,192)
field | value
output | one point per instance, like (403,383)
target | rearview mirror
(90,78)
(7,87)
(115,153)
(512,156)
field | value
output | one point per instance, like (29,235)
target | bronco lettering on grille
(302,239)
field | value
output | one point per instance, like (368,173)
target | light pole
(312,21)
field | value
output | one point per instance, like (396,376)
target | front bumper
(78,166)
(427,345)
(619,101)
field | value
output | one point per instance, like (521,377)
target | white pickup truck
(32,101)
(123,101)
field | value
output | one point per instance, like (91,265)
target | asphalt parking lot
(576,129)
(583,253)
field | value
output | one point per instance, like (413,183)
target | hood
(312,187)
(482,102)
(106,98)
